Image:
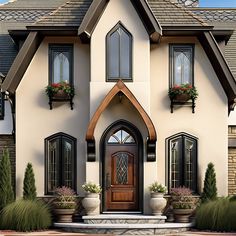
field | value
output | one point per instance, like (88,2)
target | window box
(60,92)
(181,94)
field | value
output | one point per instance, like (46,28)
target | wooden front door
(121,171)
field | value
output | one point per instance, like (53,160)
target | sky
(203,3)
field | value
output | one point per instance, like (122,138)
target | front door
(121,170)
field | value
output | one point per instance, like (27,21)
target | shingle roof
(17,15)
(167,13)
(171,14)
(222,19)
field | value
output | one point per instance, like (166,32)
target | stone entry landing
(124,225)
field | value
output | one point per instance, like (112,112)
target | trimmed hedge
(25,215)
(218,215)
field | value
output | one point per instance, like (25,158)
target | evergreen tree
(210,189)
(6,190)
(29,192)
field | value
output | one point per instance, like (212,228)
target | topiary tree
(210,189)
(6,190)
(29,189)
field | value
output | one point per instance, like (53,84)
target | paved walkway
(56,232)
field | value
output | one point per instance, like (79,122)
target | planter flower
(183,204)
(64,205)
(60,92)
(183,92)
(91,202)
(157,201)
(62,89)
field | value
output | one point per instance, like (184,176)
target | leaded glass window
(60,63)
(119,54)
(122,159)
(60,162)
(182,161)
(121,137)
(181,64)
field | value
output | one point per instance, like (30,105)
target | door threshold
(122,212)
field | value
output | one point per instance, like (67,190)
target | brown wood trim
(220,66)
(120,87)
(98,6)
(21,62)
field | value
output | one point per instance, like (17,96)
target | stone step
(124,219)
(125,229)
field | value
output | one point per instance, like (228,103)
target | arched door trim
(120,88)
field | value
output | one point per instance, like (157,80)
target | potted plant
(64,204)
(183,92)
(157,201)
(60,90)
(183,204)
(91,201)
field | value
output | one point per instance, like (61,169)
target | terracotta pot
(91,203)
(182,215)
(157,203)
(182,97)
(64,215)
(61,95)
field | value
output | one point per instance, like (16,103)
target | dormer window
(60,63)
(119,54)
(181,64)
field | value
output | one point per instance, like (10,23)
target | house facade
(120,129)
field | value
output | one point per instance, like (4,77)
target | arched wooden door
(121,169)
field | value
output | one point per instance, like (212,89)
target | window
(121,137)
(181,64)
(119,54)
(2,106)
(182,161)
(60,63)
(60,162)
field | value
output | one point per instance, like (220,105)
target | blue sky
(203,3)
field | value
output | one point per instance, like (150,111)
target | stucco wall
(208,124)
(35,121)
(150,86)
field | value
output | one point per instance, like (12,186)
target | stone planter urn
(91,203)
(64,215)
(182,215)
(157,203)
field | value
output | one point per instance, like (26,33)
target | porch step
(124,219)
(125,229)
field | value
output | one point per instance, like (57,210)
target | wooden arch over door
(120,88)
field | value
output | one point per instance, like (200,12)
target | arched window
(121,137)
(60,154)
(119,54)
(60,63)
(182,161)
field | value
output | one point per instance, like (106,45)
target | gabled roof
(166,12)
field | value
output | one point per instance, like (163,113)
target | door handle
(108,181)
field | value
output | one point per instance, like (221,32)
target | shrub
(6,191)
(157,188)
(29,189)
(218,215)
(209,190)
(25,215)
(91,188)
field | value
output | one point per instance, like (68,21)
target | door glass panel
(67,164)
(122,160)
(188,163)
(121,137)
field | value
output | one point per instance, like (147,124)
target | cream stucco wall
(208,124)
(35,121)
(150,85)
